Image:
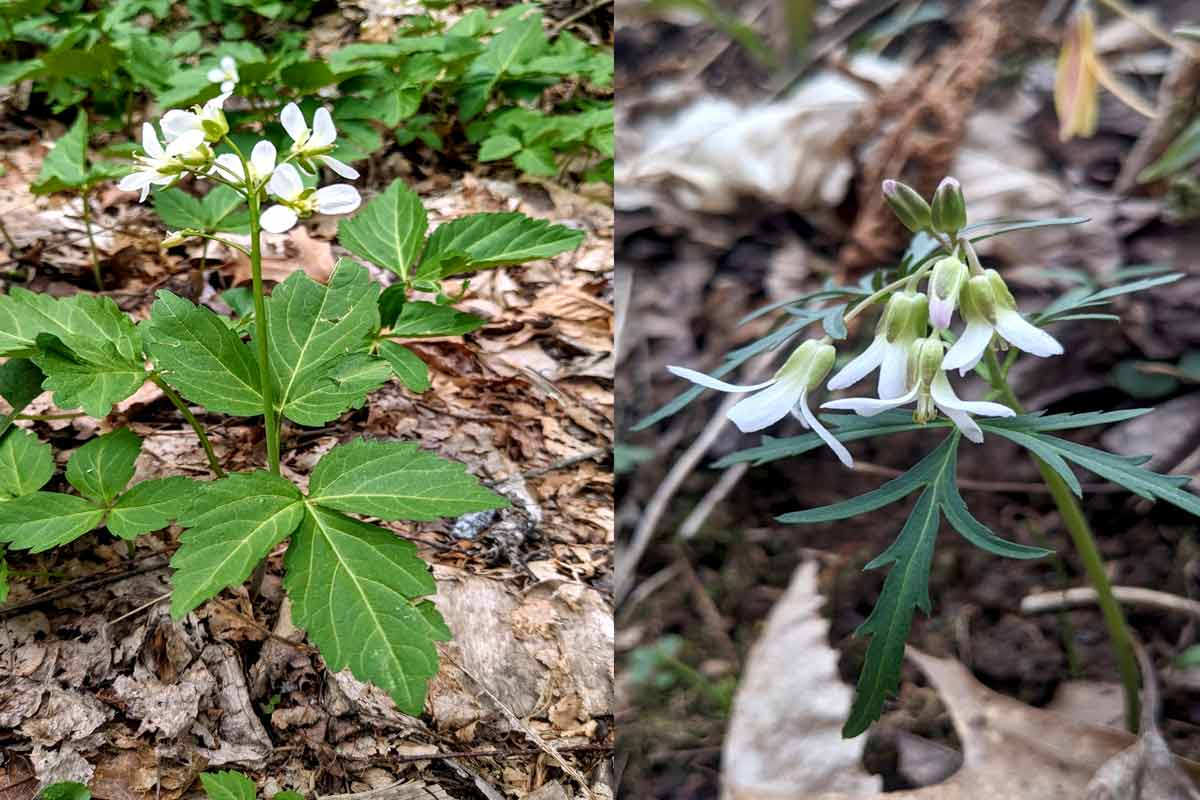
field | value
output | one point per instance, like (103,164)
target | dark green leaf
(495,240)
(406,365)
(102,468)
(227,786)
(389,230)
(26,463)
(150,506)
(419,319)
(44,520)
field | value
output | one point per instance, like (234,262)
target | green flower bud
(949,210)
(947,278)
(906,316)
(810,363)
(924,363)
(1004,298)
(907,204)
(978,299)
(215,127)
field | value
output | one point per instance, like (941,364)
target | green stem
(177,401)
(87,224)
(261,332)
(1093,564)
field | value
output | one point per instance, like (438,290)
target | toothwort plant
(313,352)
(915,350)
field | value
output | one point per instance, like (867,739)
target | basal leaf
(355,589)
(396,480)
(419,319)
(227,786)
(494,240)
(389,230)
(177,209)
(44,520)
(319,335)
(26,463)
(406,365)
(198,354)
(232,524)
(65,167)
(150,506)
(102,468)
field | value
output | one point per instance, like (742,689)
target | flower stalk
(1093,564)
(262,332)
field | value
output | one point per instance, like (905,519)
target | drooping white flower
(161,166)
(261,165)
(989,308)
(931,390)
(786,393)
(226,74)
(904,321)
(945,282)
(297,202)
(312,147)
(209,118)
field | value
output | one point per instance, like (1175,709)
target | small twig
(578,15)
(270,634)
(81,585)
(699,515)
(542,744)
(1128,595)
(140,608)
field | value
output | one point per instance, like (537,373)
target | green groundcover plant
(498,80)
(305,353)
(916,350)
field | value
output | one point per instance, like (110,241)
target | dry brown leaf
(285,254)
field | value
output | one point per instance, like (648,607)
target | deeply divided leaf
(419,319)
(232,525)
(406,365)
(198,354)
(356,591)
(396,480)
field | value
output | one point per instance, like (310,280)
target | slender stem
(87,224)
(177,401)
(1093,564)
(261,325)
(226,242)
(866,302)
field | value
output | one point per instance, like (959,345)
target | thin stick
(1129,595)
(140,608)
(578,15)
(87,224)
(699,515)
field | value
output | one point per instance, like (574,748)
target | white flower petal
(943,394)
(811,421)
(185,142)
(709,382)
(323,132)
(278,219)
(262,157)
(765,408)
(940,311)
(135,181)
(175,123)
(860,367)
(969,347)
(1021,333)
(962,420)
(215,75)
(228,165)
(228,86)
(285,182)
(341,198)
(870,406)
(293,122)
(150,142)
(340,167)
(145,193)
(217,103)
(893,372)
(229,65)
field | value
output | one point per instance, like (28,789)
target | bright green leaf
(150,506)
(227,786)
(26,463)
(95,386)
(496,240)
(324,392)
(406,365)
(396,480)
(65,790)
(65,167)
(102,468)
(197,353)
(20,382)
(44,520)
(355,590)
(389,230)
(497,147)
(419,319)
(232,525)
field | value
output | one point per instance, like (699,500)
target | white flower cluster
(188,138)
(909,352)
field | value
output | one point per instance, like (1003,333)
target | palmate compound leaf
(396,480)
(198,354)
(26,463)
(389,230)
(356,591)
(907,585)
(232,524)
(486,241)
(319,337)
(43,520)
